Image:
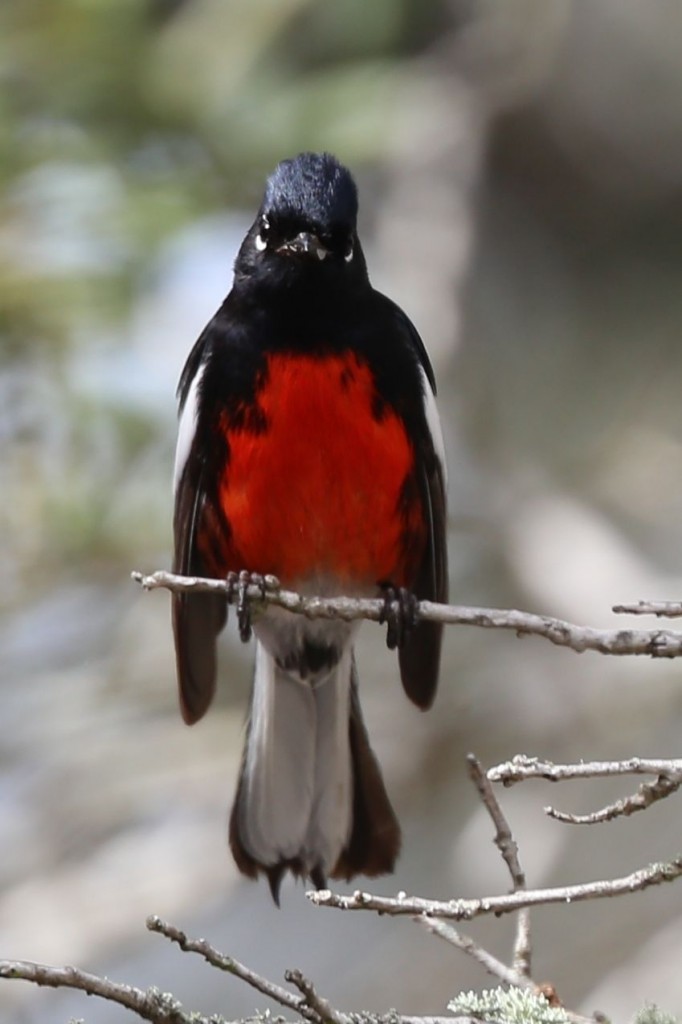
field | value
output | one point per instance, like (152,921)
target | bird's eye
(349,253)
(261,241)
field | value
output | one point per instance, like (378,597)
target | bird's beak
(305,244)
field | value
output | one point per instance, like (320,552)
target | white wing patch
(187,428)
(433,423)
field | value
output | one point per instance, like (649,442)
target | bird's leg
(239,583)
(399,613)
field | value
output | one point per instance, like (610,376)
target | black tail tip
(318,877)
(276,873)
(275,876)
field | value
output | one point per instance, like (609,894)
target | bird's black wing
(197,618)
(419,656)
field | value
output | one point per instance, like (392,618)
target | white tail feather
(331,817)
(295,799)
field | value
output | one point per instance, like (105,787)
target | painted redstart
(310,448)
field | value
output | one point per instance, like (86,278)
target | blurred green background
(520,175)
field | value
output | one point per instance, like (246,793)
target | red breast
(320,478)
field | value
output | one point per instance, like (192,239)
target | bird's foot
(399,613)
(238,586)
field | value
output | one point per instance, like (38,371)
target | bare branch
(231,966)
(309,1005)
(522,943)
(656,643)
(320,1006)
(662,609)
(162,1008)
(523,767)
(151,1005)
(467,909)
(517,975)
(490,963)
(647,794)
(508,847)
(504,840)
(495,967)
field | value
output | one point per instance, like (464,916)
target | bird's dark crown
(312,189)
(304,235)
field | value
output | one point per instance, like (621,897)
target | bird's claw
(238,584)
(400,613)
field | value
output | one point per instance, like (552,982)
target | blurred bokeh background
(520,174)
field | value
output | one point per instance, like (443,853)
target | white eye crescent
(260,240)
(349,255)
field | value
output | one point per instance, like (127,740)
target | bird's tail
(310,797)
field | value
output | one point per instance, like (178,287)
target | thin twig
(231,966)
(490,963)
(321,1007)
(504,840)
(662,609)
(647,794)
(151,1005)
(508,847)
(467,909)
(309,1005)
(523,767)
(162,1008)
(656,643)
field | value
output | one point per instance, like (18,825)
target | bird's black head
(307,219)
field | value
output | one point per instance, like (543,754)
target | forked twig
(229,964)
(309,1004)
(498,969)
(523,767)
(508,847)
(647,794)
(668,780)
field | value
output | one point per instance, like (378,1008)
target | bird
(309,448)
